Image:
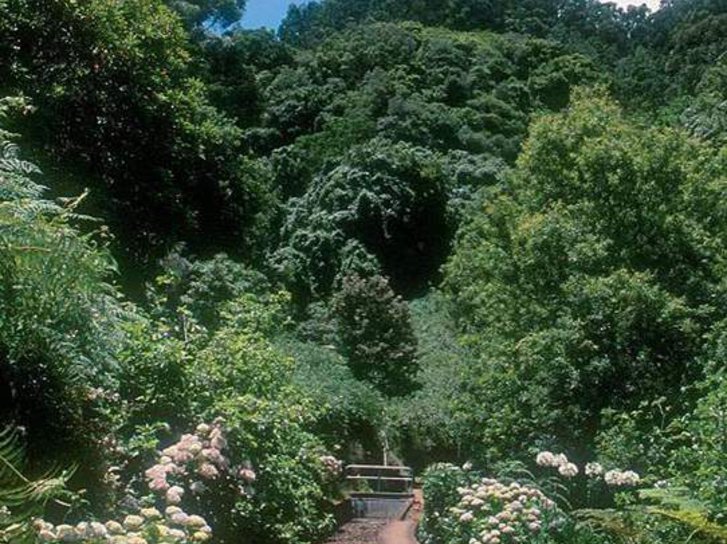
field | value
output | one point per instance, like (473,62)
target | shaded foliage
(376,334)
(600,273)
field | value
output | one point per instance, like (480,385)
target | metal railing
(381,480)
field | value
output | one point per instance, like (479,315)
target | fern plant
(657,508)
(677,504)
(22,498)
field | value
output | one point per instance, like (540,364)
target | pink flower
(182,456)
(218,442)
(213,454)
(157,472)
(247,474)
(174,495)
(208,471)
(180,518)
(159,484)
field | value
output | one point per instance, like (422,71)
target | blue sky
(266,13)
(269,13)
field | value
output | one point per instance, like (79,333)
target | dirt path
(364,531)
(399,532)
(360,531)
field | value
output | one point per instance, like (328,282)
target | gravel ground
(378,531)
(359,532)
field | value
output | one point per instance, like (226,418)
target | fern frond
(697,521)
(677,504)
(22,499)
(609,520)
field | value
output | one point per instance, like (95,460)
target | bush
(375,332)
(463,506)
(352,410)
(58,321)
(589,286)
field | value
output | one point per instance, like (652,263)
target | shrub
(376,335)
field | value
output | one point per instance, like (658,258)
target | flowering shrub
(560,462)
(617,478)
(491,512)
(441,482)
(614,478)
(462,506)
(148,526)
(192,466)
(332,466)
(194,462)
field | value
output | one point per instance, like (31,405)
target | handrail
(384,467)
(406,478)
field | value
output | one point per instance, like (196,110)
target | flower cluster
(617,478)
(333,466)
(195,461)
(565,468)
(191,465)
(594,470)
(146,527)
(560,462)
(494,512)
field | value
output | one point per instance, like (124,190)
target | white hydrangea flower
(545,459)
(594,470)
(569,470)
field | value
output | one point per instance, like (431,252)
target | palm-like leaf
(22,499)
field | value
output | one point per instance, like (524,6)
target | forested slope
(475,232)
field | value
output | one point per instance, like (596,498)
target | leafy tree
(376,334)
(390,199)
(233,63)
(706,117)
(350,423)
(195,292)
(590,286)
(128,111)
(209,12)
(431,423)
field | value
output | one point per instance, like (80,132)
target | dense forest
(488,236)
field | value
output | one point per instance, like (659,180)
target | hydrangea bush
(614,478)
(463,506)
(493,512)
(185,472)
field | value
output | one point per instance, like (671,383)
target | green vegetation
(490,236)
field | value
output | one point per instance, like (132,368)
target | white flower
(593,470)
(177,534)
(66,533)
(622,479)
(545,459)
(98,530)
(631,478)
(133,522)
(171,510)
(569,470)
(195,521)
(466,517)
(150,513)
(114,527)
(560,460)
